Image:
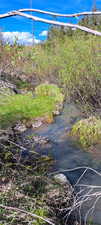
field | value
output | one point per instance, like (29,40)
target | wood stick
(61,15)
(23,211)
(52,22)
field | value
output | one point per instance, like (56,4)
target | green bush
(50,90)
(87,131)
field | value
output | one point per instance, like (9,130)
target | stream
(67,156)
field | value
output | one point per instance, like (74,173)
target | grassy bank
(72,62)
(20,107)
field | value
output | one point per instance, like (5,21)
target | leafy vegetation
(18,107)
(70,59)
(87,131)
(50,90)
(71,62)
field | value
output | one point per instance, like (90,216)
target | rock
(56,113)
(7,88)
(33,123)
(4,137)
(36,124)
(20,128)
(40,140)
(48,119)
(61,179)
(4,134)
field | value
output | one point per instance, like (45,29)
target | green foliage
(73,62)
(50,90)
(40,212)
(87,131)
(93,21)
(18,107)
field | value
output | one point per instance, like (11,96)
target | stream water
(68,156)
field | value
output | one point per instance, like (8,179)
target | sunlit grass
(18,107)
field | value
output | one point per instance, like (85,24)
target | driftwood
(53,22)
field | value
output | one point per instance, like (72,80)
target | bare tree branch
(35,18)
(28,213)
(61,15)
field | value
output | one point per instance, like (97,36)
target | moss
(50,90)
(87,131)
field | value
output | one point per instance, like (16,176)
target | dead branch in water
(88,194)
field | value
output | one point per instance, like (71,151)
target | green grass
(18,107)
(87,131)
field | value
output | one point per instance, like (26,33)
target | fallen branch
(52,22)
(87,196)
(77,168)
(28,213)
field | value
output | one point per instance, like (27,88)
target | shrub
(50,90)
(87,131)
(75,64)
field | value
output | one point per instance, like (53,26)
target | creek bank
(21,153)
(28,110)
(60,199)
(65,152)
(54,194)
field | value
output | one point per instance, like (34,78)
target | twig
(81,177)
(30,214)
(86,194)
(17,145)
(76,168)
(91,210)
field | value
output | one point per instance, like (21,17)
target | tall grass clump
(19,107)
(87,131)
(51,90)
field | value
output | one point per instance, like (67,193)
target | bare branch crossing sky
(24,28)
